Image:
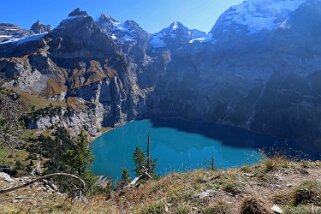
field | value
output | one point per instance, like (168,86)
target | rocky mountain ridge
(263,78)
(9,31)
(12,33)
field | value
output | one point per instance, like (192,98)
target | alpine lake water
(178,146)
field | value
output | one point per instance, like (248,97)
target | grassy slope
(35,101)
(275,181)
(31,103)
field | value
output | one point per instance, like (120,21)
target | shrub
(231,187)
(33,156)
(156,208)
(280,198)
(29,168)
(307,192)
(269,165)
(301,210)
(19,165)
(219,208)
(246,169)
(182,210)
(252,206)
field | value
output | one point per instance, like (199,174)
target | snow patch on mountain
(5,36)
(206,38)
(157,41)
(175,25)
(257,15)
(22,40)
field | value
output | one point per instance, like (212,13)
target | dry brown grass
(179,193)
(74,103)
(34,102)
(53,88)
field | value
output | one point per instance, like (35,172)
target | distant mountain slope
(258,15)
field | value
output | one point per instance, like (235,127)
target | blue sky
(152,15)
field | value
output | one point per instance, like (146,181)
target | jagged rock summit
(77,12)
(37,27)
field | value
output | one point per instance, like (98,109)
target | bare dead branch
(144,175)
(10,189)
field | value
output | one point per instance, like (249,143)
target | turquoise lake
(178,146)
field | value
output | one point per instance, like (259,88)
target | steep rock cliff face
(76,60)
(89,119)
(261,78)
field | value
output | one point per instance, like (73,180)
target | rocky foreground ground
(274,186)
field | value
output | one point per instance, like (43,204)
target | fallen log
(10,189)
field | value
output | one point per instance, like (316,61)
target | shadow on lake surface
(181,146)
(240,138)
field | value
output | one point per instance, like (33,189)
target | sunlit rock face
(77,63)
(259,68)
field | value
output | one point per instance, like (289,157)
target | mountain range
(259,69)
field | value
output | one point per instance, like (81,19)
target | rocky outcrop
(87,117)
(37,27)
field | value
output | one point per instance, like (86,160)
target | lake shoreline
(174,149)
(103,131)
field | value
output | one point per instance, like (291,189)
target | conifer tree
(80,158)
(125,179)
(139,160)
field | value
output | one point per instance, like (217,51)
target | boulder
(6,177)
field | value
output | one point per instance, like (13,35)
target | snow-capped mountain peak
(121,32)
(176,33)
(257,15)
(107,23)
(107,18)
(176,25)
